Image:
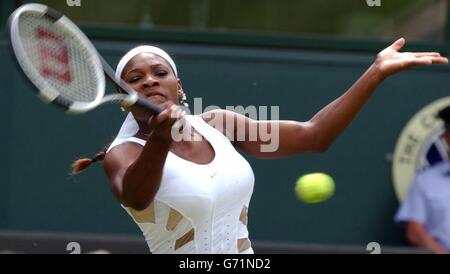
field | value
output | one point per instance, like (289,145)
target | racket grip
(147,105)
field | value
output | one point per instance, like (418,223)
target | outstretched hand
(390,60)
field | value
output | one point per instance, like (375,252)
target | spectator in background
(425,211)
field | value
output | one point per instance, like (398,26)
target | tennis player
(193,195)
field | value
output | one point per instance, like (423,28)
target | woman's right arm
(134,171)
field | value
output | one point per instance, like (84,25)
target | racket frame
(47,93)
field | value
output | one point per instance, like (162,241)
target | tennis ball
(314,188)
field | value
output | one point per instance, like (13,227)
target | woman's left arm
(320,132)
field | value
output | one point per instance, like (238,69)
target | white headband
(141,49)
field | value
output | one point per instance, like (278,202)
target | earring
(124,108)
(183,100)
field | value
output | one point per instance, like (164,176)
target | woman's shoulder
(214,118)
(124,147)
(214,114)
(118,142)
(131,147)
(217,119)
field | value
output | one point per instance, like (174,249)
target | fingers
(398,45)
(171,112)
(433,59)
(179,117)
(420,62)
(428,60)
(424,54)
(170,121)
(143,115)
(440,60)
(430,57)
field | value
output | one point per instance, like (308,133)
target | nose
(150,81)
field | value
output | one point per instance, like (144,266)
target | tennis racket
(63,64)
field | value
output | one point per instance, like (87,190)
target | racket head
(57,58)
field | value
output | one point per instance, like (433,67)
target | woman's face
(152,77)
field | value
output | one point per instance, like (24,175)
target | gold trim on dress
(186,238)
(244,215)
(144,216)
(174,219)
(243,244)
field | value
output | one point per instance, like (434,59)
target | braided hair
(81,164)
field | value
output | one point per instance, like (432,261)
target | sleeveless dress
(199,209)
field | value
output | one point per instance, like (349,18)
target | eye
(134,80)
(162,73)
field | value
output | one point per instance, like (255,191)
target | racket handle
(146,104)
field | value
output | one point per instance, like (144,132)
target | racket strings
(64,64)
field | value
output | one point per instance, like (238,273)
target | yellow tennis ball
(314,188)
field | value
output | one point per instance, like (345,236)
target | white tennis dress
(199,208)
